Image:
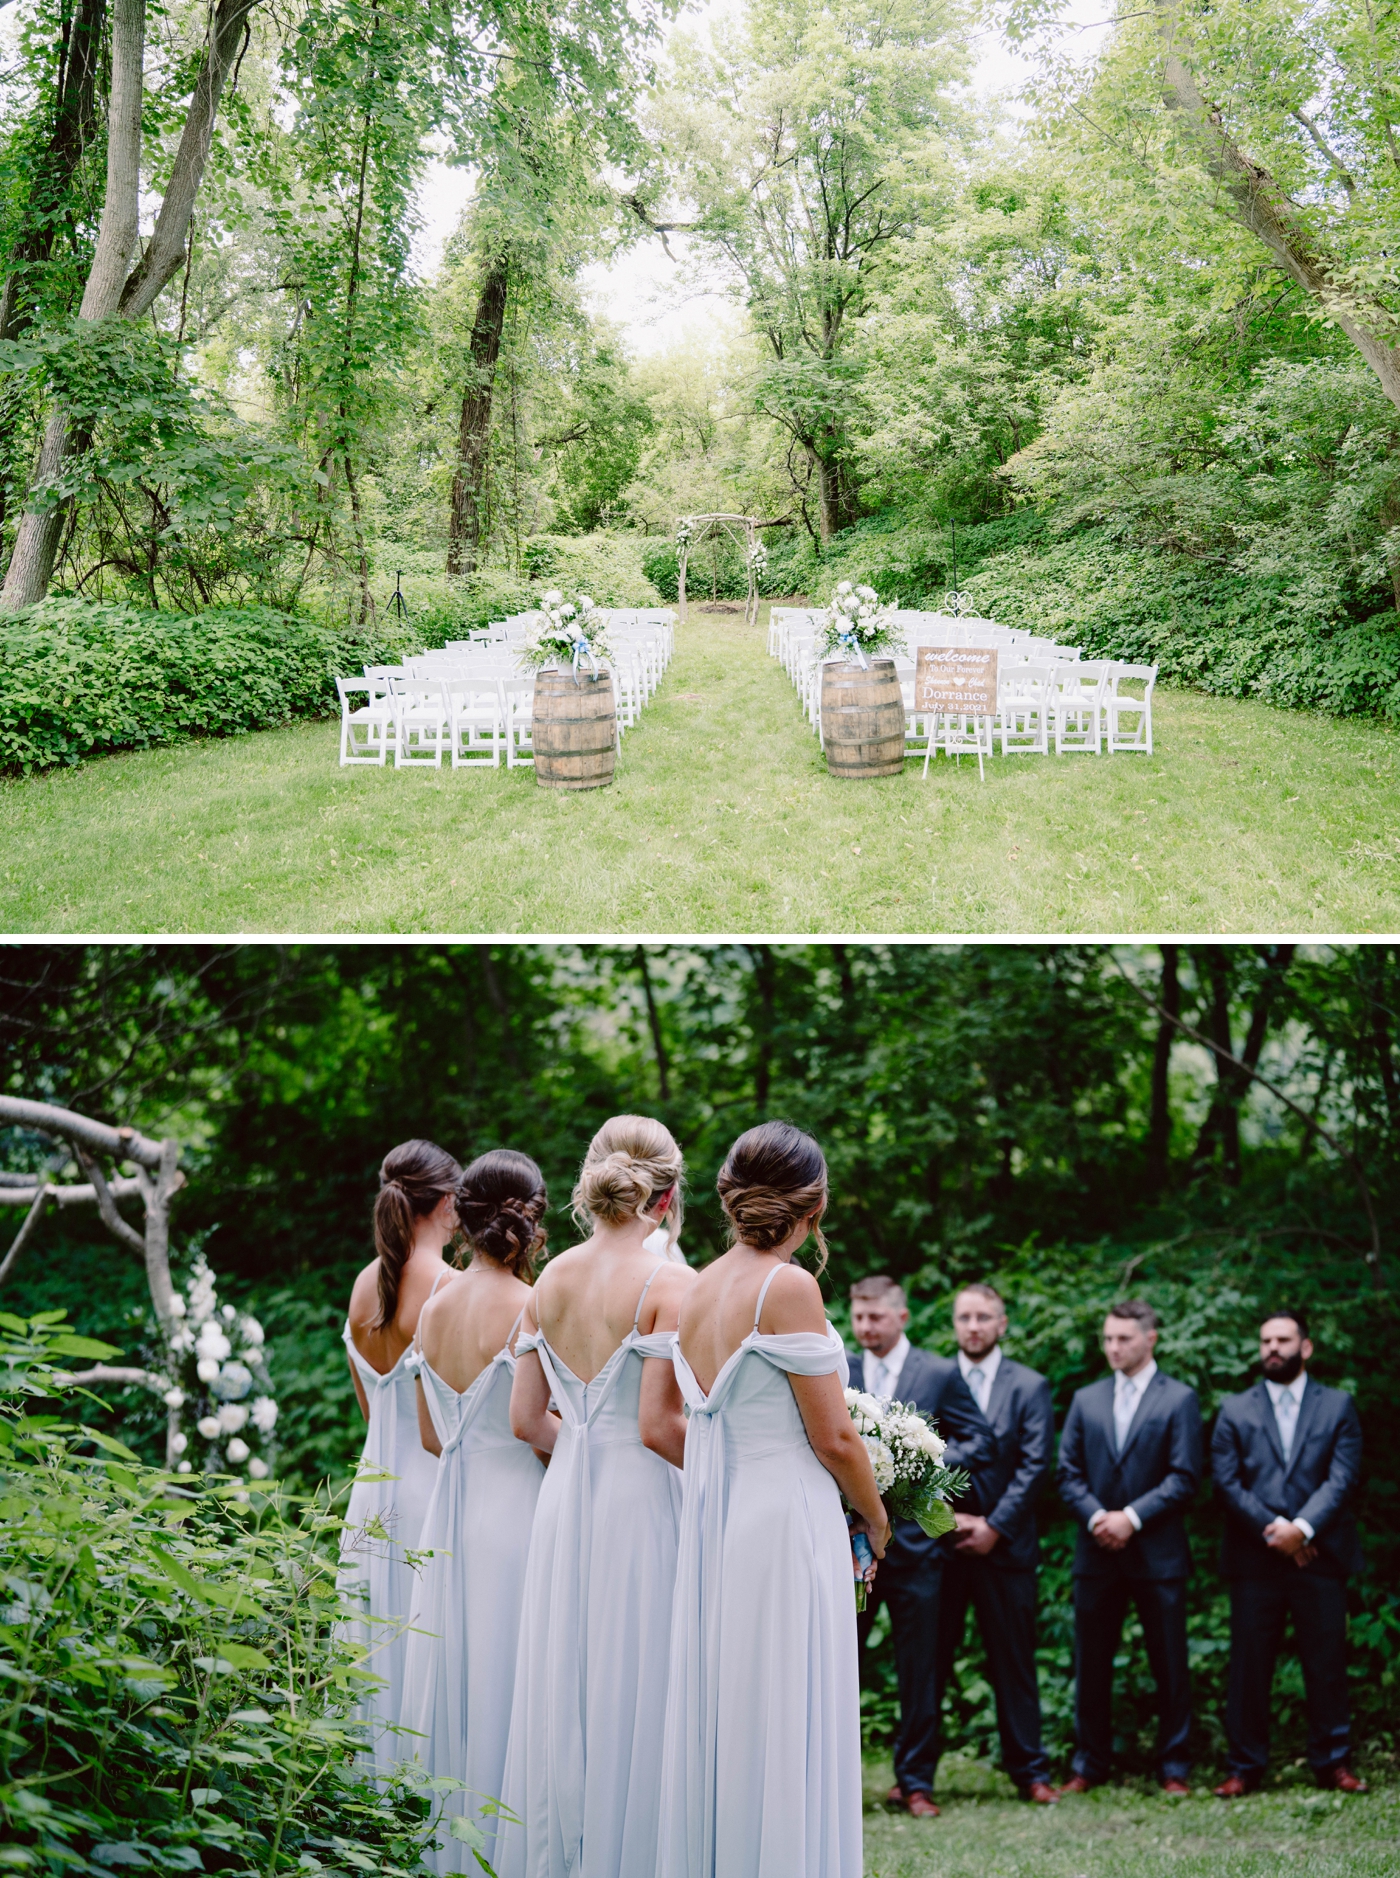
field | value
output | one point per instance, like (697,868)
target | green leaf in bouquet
(935,1516)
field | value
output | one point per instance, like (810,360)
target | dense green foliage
(80,677)
(984,1110)
(176,1695)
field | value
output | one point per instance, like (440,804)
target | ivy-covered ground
(1130,1831)
(723,819)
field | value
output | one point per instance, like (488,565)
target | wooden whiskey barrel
(862,720)
(574,730)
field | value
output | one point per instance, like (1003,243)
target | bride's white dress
(762,1771)
(460,1664)
(373,1569)
(583,1769)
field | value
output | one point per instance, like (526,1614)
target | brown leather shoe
(1342,1780)
(1077,1784)
(921,1806)
(1235,1788)
(1040,1793)
(1176,1790)
(895,1796)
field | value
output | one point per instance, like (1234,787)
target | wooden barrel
(574,730)
(862,720)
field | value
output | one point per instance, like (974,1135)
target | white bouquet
(906,1452)
(569,631)
(855,623)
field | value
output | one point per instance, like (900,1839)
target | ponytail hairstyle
(414,1177)
(500,1201)
(773,1178)
(631,1162)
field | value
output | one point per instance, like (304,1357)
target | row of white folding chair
(473,719)
(1082,703)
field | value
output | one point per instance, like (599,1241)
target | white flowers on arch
(216,1359)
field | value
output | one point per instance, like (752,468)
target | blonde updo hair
(773,1178)
(630,1163)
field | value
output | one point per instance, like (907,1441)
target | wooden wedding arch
(740,529)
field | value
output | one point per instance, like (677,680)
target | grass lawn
(1130,1832)
(723,819)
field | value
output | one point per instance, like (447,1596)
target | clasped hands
(1291,1540)
(1112,1531)
(975,1535)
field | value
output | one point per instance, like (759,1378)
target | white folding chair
(1025,705)
(1079,713)
(1120,704)
(475,729)
(517,696)
(366,730)
(421,718)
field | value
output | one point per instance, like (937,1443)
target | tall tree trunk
(1160,1126)
(468,485)
(108,288)
(1254,199)
(1232,1083)
(658,1041)
(764,977)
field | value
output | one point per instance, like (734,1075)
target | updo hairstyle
(501,1200)
(630,1163)
(773,1178)
(413,1178)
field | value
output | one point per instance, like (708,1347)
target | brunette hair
(1294,1317)
(413,1178)
(1138,1310)
(500,1201)
(880,1285)
(630,1163)
(980,1290)
(773,1177)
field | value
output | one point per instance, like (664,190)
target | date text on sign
(956,678)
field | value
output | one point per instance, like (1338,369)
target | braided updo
(501,1200)
(773,1178)
(631,1162)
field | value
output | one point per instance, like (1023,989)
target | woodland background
(1162,402)
(1018,1112)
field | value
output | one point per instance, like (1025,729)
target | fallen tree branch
(107,1206)
(26,1231)
(122,1187)
(123,1144)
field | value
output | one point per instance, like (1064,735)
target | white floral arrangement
(685,528)
(758,562)
(857,624)
(217,1363)
(906,1453)
(569,631)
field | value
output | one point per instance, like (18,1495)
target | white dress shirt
(1287,1398)
(981,1374)
(1127,1393)
(882,1372)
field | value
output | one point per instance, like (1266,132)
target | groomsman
(910,1579)
(1130,1463)
(1286,1455)
(994,1561)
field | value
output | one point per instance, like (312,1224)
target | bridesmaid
(466,1614)
(415,1216)
(583,1769)
(762,1771)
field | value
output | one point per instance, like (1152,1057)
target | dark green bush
(175,1689)
(79,677)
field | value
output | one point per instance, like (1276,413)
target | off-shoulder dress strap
(758,1308)
(515,1329)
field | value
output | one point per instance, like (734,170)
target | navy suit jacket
(1317,1483)
(1007,1487)
(935,1385)
(1156,1474)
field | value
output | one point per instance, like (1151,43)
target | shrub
(177,1696)
(80,676)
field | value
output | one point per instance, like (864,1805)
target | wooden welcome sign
(956,678)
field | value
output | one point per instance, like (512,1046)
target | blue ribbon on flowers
(850,641)
(582,650)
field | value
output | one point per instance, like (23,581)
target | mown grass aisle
(722,819)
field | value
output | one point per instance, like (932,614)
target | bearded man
(1286,1455)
